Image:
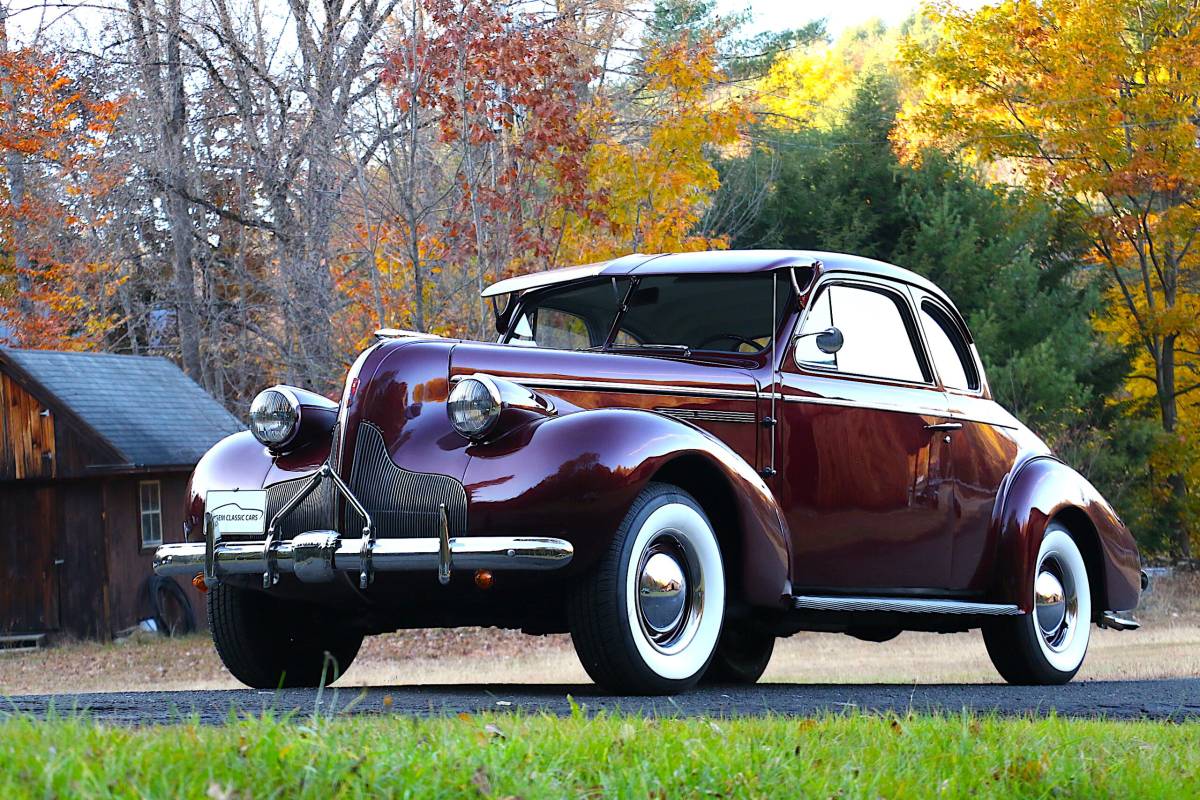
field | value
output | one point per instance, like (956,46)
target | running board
(901,605)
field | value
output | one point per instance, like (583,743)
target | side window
(875,328)
(948,349)
(561,330)
(150,504)
(550,327)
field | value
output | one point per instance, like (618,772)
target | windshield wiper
(674,348)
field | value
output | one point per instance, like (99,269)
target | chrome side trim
(650,388)
(386,555)
(902,605)
(707,415)
(1119,621)
(926,411)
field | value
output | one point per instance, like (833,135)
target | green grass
(605,756)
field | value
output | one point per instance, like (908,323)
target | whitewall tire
(1047,646)
(647,619)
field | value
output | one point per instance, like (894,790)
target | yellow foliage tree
(810,87)
(1094,104)
(650,178)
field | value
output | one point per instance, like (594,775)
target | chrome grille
(403,504)
(315,512)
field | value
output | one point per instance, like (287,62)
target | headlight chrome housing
(483,406)
(275,416)
(474,407)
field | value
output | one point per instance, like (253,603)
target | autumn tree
(656,136)
(501,93)
(55,278)
(1093,105)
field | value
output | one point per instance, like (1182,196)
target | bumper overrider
(318,556)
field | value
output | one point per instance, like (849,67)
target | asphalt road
(1162,700)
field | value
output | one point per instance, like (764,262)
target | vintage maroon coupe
(677,459)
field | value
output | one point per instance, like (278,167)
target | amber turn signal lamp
(484,578)
(199,583)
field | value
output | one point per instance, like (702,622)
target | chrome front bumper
(318,556)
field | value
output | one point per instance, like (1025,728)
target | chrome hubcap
(1056,604)
(663,592)
(669,593)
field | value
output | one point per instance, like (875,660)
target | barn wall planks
(94,528)
(27,445)
(75,456)
(29,578)
(129,563)
(84,582)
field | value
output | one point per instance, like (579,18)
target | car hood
(581,374)
(401,386)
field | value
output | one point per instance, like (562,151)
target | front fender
(241,462)
(575,477)
(1044,488)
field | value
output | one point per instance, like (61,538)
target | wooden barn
(95,454)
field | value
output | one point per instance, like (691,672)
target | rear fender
(575,477)
(1042,490)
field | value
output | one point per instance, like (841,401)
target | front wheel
(1047,646)
(267,643)
(646,620)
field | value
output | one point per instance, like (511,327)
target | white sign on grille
(241,511)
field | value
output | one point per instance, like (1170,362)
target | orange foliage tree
(1093,104)
(54,281)
(488,138)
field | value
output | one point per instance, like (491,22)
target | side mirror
(830,340)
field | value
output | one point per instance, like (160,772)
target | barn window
(151,503)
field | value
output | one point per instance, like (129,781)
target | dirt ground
(1168,645)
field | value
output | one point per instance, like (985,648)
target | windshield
(723,313)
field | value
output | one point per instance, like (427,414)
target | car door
(861,460)
(982,450)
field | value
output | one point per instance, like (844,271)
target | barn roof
(144,407)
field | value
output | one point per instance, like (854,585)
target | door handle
(944,426)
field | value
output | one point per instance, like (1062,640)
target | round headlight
(474,408)
(273,417)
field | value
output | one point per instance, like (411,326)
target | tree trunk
(177,206)
(1181,546)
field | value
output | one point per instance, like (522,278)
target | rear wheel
(742,656)
(1047,646)
(647,618)
(267,643)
